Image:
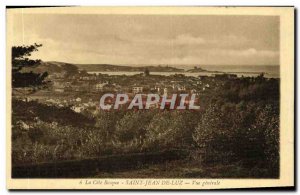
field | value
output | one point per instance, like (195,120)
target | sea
(270,71)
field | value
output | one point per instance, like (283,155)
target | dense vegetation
(239,126)
(20,61)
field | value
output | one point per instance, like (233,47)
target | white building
(100,86)
(137,89)
(60,90)
(77,109)
(165,91)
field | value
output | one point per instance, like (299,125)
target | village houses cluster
(84,90)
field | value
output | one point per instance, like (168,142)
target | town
(81,91)
(145,101)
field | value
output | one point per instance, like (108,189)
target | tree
(20,60)
(146,72)
(169,130)
(132,126)
(267,122)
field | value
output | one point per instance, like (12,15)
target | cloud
(251,52)
(150,39)
(187,39)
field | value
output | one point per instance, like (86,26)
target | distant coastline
(272,71)
(159,68)
(117,68)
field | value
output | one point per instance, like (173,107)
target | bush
(229,133)
(170,130)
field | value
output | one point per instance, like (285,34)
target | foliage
(147,72)
(170,130)
(241,128)
(238,126)
(20,59)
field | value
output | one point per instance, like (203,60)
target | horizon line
(165,64)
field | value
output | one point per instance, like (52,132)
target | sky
(150,39)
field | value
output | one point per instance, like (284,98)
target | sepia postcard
(150,98)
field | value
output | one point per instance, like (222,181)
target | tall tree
(146,72)
(20,60)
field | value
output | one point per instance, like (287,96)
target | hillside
(53,67)
(112,68)
(199,69)
(56,67)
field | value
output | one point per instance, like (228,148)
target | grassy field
(188,169)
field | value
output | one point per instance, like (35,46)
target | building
(77,109)
(157,88)
(181,88)
(137,89)
(58,75)
(60,90)
(99,86)
(58,84)
(165,91)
